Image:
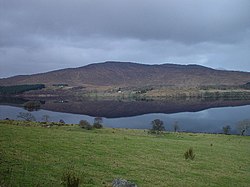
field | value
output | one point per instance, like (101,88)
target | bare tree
(98,120)
(226,129)
(176,126)
(243,126)
(26,116)
(45,118)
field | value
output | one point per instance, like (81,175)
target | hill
(133,74)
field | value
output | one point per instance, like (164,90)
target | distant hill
(133,74)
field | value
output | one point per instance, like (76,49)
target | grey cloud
(43,35)
(184,21)
(73,54)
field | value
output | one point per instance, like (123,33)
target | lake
(191,115)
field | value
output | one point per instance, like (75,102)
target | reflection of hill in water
(12,101)
(114,109)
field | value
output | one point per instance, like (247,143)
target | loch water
(191,116)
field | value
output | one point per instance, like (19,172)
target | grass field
(38,156)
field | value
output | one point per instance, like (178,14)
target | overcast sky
(43,35)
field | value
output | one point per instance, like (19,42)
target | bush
(226,129)
(189,154)
(85,125)
(61,121)
(70,178)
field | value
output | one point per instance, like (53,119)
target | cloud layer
(43,35)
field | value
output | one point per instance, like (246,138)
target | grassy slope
(39,156)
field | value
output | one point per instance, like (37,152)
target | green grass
(38,156)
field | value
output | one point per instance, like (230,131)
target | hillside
(133,74)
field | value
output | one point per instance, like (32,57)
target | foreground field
(37,156)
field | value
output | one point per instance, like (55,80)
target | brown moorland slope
(133,74)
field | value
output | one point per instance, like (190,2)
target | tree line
(17,89)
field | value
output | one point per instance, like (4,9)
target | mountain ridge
(114,73)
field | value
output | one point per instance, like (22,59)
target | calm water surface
(210,120)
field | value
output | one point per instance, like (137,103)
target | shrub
(189,154)
(226,129)
(97,125)
(61,121)
(85,125)
(70,178)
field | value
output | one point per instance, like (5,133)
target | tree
(7,90)
(85,125)
(26,116)
(243,126)
(45,118)
(226,129)
(98,120)
(176,126)
(157,126)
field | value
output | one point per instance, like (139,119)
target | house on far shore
(60,85)
(119,90)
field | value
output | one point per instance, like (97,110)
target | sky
(44,35)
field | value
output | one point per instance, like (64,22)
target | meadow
(40,156)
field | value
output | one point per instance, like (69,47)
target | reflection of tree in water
(32,105)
